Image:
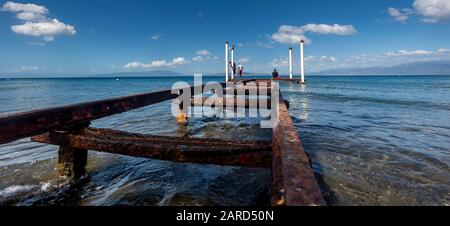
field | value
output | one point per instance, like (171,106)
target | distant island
(417,68)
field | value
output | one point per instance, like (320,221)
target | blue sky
(82,37)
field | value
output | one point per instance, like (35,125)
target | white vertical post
(232,63)
(290,63)
(227,66)
(302,61)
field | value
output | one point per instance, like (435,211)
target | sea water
(373,140)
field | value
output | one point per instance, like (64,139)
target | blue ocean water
(373,141)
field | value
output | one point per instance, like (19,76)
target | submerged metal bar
(178,149)
(294,183)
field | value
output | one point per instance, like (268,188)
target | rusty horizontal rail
(177,149)
(22,125)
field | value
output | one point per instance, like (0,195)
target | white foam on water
(14,189)
(21,189)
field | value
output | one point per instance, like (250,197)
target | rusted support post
(72,161)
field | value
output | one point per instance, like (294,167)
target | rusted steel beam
(21,125)
(224,102)
(178,149)
(294,183)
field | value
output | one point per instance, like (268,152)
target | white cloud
(398,57)
(264,44)
(320,59)
(203,52)
(18,7)
(36,22)
(433,11)
(29,68)
(442,51)
(292,34)
(279,62)
(198,59)
(403,53)
(156,37)
(289,38)
(36,43)
(328,58)
(30,16)
(204,56)
(386,59)
(325,29)
(243,60)
(157,63)
(48,29)
(400,15)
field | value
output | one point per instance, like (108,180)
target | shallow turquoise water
(373,141)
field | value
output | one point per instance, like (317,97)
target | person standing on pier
(233,67)
(275,74)
(241,70)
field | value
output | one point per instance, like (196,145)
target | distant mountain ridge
(418,68)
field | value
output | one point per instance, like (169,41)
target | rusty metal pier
(68,127)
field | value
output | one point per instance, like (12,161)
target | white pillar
(227,65)
(232,63)
(302,61)
(290,63)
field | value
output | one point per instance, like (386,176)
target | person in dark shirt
(275,74)
(233,67)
